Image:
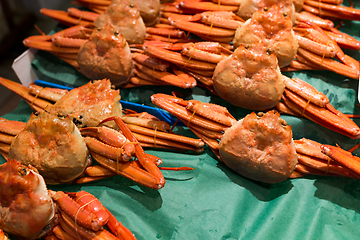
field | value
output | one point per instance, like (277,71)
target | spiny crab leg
(140,154)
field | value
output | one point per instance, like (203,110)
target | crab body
(52,144)
(260,147)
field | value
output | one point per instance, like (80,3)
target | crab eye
(98,29)
(268,51)
(116,33)
(36,113)
(131,5)
(266,9)
(23,171)
(285,15)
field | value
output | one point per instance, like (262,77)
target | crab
(90,107)
(250,78)
(149,10)
(295,47)
(259,146)
(60,151)
(52,144)
(96,56)
(29,210)
(273,28)
(122,15)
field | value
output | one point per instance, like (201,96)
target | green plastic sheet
(212,202)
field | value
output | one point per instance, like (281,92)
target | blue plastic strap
(159,113)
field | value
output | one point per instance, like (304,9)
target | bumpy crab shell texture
(106,55)
(91,103)
(124,17)
(260,147)
(149,10)
(271,26)
(53,145)
(26,207)
(250,78)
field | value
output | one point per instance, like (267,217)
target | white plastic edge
(22,67)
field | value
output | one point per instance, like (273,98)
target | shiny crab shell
(51,143)
(260,147)
(125,18)
(271,26)
(26,206)
(250,78)
(106,55)
(91,103)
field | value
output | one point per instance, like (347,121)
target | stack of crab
(238,50)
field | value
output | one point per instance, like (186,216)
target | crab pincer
(149,166)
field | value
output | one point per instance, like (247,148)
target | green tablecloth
(212,202)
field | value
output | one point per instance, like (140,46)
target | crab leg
(330,64)
(129,170)
(198,6)
(84,15)
(60,234)
(91,204)
(321,115)
(185,115)
(167,77)
(73,209)
(11,127)
(166,32)
(306,17)
(65,18)
(164,135)
(345,158)
(75,230)
(119,229)
(327,167)
(306,91)
(118,154)
(22,91)
(150,61)
(139,152)
(177,58)
(112,143)
(198,28)
(193,52)
(341,11)
(51,94)
(163,143)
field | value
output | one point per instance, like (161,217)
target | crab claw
(151,168)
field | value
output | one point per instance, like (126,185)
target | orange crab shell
(260,147)
(53,145)
(106,55)
(26,206)
(91,103)
(250,78)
